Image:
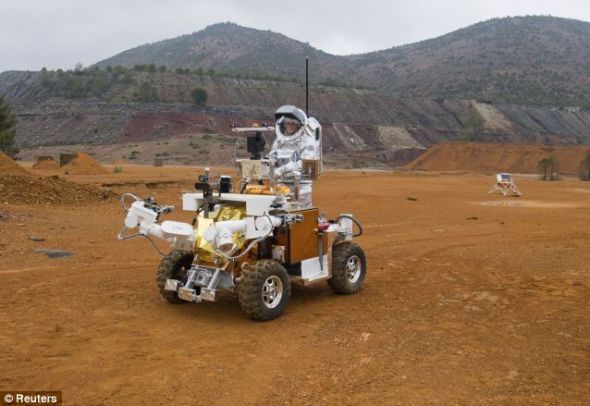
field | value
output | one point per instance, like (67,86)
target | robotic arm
(144,215)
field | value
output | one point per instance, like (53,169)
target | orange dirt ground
(492,158)
(470,298)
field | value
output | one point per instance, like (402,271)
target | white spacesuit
(298,137)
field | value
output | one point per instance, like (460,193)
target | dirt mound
(19,189)
(46,163)
(83,164)
(9,167)
(492,158)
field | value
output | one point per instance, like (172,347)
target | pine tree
(7,129)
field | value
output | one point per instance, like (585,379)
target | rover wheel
(264,290)
(349,268)
(174,265)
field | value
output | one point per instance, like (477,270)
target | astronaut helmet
(290,122)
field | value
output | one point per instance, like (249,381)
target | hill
(231,48)
(531,60)
(525,60)
(490,158)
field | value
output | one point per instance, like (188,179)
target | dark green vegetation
(141,83)
(82,83)
(199,96)
(142,80)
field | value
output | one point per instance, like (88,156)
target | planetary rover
(256,237)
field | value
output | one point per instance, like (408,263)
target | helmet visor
(289,126)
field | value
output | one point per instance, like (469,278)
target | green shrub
(199,96)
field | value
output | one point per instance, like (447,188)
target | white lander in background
(505,185)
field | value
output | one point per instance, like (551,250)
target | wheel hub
(354,268)
(272,291)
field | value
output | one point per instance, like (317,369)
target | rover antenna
(307,86)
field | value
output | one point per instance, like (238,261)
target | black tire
(255,293)
(174,265)
(349,268)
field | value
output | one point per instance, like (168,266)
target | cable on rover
(122,236)
(355,221)
(122,200)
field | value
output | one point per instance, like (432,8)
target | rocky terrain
(369,128)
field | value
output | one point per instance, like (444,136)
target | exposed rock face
(377,127)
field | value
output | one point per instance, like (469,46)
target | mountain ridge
(535,60)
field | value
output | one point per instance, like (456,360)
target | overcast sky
(60,33)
